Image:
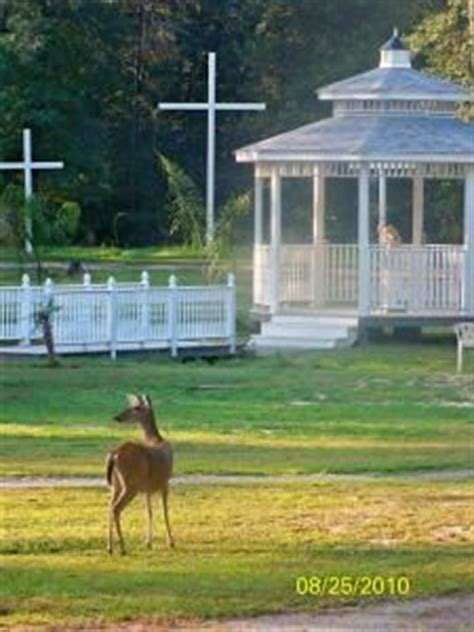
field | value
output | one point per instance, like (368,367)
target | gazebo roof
(394,83)
(370,137)
(392,112)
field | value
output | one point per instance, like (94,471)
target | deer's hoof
(171,544)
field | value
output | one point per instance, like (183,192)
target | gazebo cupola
(389,122)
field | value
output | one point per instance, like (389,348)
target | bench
(465,337)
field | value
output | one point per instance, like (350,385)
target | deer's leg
(124,499)
(150,521)
(164,496)
(113,499)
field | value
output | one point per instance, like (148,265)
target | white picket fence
(119,316)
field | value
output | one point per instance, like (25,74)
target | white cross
(211,106)
(27,166)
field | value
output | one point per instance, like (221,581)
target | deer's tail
(109,467)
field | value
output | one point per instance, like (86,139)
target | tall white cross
(27,166)
(211,106)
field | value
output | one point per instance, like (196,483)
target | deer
(139,467)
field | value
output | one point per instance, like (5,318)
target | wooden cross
(211,107)
(27,166)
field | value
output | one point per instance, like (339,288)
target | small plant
(188,218)
(187,208)
(43,319)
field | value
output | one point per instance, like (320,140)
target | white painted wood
(417,279)
(211,107)
(275,241)
(319,196)
(465,340)
(418,205)
(411,279)
(27,166)
(363,241)
(90,317)
(305,333)
(382,182)
(258,210)
(469,242)
(211,146)
(261,263)
(231,310)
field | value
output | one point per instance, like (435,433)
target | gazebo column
(258,210)
(317,261)
(258,261)
(417,206)
(319,194)
(275,240)
(382,201)
(363,239)
(469,241)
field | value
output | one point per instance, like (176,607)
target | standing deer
(136,467)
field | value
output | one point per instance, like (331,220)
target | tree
(52,223)
(444,44)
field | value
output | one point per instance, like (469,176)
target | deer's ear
(133,400)
(146,401)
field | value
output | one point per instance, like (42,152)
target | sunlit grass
(240,549)
(383,409)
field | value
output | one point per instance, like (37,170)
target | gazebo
(389,122)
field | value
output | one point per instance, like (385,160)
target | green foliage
(188,215)
(105,65)
(37,221)
(444,45)
(221,248)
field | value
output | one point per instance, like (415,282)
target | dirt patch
(454,614)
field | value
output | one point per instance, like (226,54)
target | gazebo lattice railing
(415,280)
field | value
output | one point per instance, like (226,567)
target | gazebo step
(267,344)
(305,333)
(315,321)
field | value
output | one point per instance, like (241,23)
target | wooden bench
(465,337)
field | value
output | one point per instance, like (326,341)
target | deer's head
(138,409)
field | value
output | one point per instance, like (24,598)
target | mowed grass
(387,408)
(239,549)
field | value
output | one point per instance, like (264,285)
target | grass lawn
(56,570)
(109,254)
(387,408)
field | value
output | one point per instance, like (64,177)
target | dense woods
(86,76)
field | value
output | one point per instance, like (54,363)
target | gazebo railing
(406,278)
(417,279)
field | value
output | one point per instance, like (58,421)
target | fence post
(86,326)
(173,315)
(112,317)
(230,312)
(145,305)
(25,311)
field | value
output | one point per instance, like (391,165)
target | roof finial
(394,54)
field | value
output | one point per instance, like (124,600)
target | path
(226,479)
(435,614)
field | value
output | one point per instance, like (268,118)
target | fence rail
(118,316)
